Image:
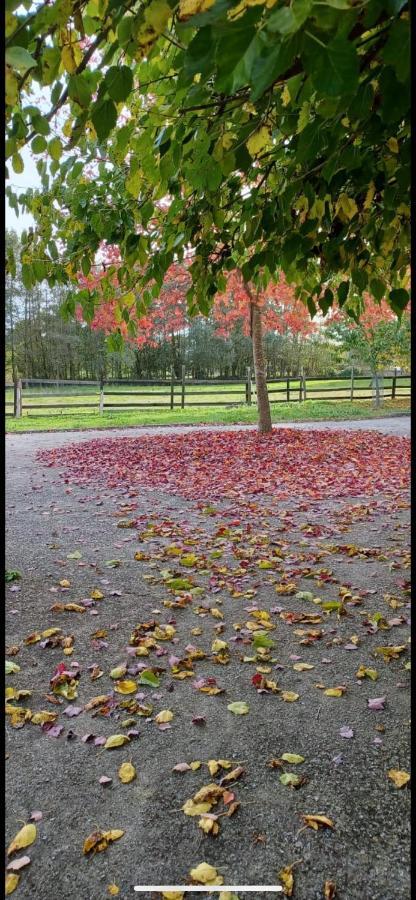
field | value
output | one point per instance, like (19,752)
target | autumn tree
(253,136)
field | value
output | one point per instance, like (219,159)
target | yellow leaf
(126,773)
(302,667)
(206,874)
(96,595)
(293,758)
(125,687)
(335,692)
(157,14)
(116,740)
(318,821)
(12,96)
(195,765)
(218,645)
(393,145)
(398,777)
(65,583)
(289,696)
(362,672)
(188,8)
(173,895)
(24,838)
(12,880)
(165,715)
(195,809)
(347,206)
(113,835)
(68,59)
(113,890)
(43,716)
(369,195)
(285,96)
(208,825)
(259,140)
(286,877)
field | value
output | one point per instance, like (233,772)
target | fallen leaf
(18,864)
(99,840)
(317,821)
(330,890)
(289,696)
(24,838)
(165,715)
(398,777)
(116,740)
(285,876)
(205,874)
(126,773)
(292,758)
(376,703)
(12,881)
(239,708)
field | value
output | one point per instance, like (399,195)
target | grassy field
(314,410)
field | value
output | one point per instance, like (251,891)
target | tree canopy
(261,136)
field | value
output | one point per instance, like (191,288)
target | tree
(379,341)
(275,308)
(252,136)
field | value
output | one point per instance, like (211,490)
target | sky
(28,178)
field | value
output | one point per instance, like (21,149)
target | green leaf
(342,292)
(40,124)
(55,149)
(398,298)
(119,82)
(11,667)
(79,90)
(289,19)
(261,639)
(377,288)
(326,301)
(333,68)
(104,118)
(148,677)
(359,278)
(12,575)
(290,779)
(17,163)
(239,708)
(38,144)
(267,67)
(19,59)
(397,49)
(292,758)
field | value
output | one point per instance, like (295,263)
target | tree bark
(263,405)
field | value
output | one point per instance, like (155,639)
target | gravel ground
(367,851)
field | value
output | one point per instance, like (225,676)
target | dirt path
(366,852)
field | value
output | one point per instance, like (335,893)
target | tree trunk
(263,405)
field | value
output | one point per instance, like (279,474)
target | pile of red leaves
(208,465)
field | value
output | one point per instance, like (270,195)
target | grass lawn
(281,412)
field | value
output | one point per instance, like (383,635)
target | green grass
(281,412)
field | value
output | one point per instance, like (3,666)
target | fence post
(301,385)
(101,402)
(17,397)
(393,385)
(288,390)
(248,386)
(172,389)
(304,385)
(352,384)
(183,388)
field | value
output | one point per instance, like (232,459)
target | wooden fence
(178,393)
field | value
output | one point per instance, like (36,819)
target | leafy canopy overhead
(263,136)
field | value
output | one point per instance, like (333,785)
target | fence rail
(185,392)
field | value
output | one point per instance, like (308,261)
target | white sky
(29,178)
